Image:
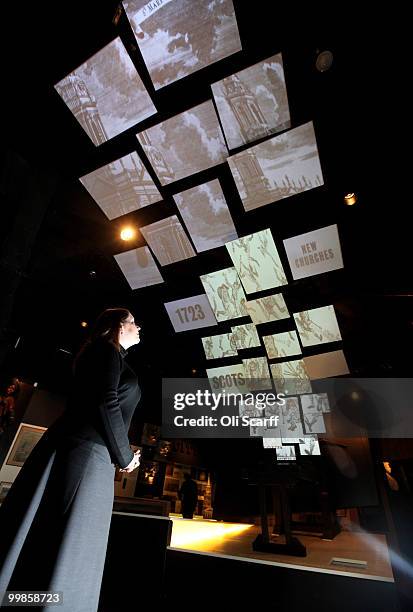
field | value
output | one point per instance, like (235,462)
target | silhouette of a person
(188,494)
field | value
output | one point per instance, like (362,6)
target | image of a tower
(157,160)
(245,108)
(83,105)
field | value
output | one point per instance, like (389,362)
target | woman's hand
(133,464)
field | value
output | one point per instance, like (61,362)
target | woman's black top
(105,394)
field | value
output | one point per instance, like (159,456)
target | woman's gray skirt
(56,520)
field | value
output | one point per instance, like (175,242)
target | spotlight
(92,274)
(350,199)
(127,233)
(324,61)
(83,323)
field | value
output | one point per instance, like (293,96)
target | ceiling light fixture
(324,61)
(127,233)
(350,199)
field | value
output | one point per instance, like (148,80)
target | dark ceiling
(57,234)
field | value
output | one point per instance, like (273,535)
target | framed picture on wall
(25,440)
(150,434)
(4,489)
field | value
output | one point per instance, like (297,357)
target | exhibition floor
(234,540)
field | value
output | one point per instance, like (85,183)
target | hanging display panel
(106,94)
(179,37)
(122,186)
(185,144)
(253,103)
(277,168)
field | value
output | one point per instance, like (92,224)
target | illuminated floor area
(235,540)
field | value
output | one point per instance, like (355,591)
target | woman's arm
(109,409)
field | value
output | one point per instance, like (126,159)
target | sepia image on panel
(286,453)
(245,336)
(317,326)
(291,424)
(309,446)
(315,252)
(257,262)
(326,365)
(291,377)
(282,345)
(206,215)
(249,409)
(266,309)
(122,186)
(313,416)
(277,168)
(272,442)
(273,431)
(168,240)
(219,346)
(225,294)
(190,313)
(139,267)
(257,373)
(253,103)
(179,37)
(319,400)
(185,144)
(231,378)
(106,94)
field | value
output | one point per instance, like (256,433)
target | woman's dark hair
(106,327)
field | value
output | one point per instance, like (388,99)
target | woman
(55,519)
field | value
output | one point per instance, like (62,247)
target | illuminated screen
(250,408)
(185,144)
(317,326)
(286,453)
(257,262)
(291,377)
(309,446)
(326,365)
(266,309)
(106,94)
(256,370)
(319,400)
(282,345)
(272,442)
(139,268)
(277,168)
(179,37)
(219,346)
(253,103)
(168,240)
(206,215)
(245,336)
(231,378)
(190,313)
(314,252)
(313,416)
(225,294)
(122,186)
(291,423)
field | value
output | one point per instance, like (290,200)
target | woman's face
(129,332)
